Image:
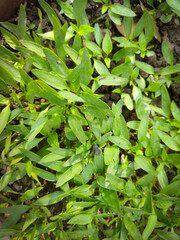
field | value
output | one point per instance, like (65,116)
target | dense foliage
(91,173)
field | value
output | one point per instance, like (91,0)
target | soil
(169,32)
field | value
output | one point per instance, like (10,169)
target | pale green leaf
(143,163)
(169,141)
(132,229)
(107,43)
(81,219)
(4,116)
(69,174)
(76,127)
(145,67)
(122,10)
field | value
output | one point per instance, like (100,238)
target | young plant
(75,167)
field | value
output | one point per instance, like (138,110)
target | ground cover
(90,121)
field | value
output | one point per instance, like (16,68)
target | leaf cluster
(109,177)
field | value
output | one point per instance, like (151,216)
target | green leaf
(115,181)
(170,70)
(143,127)
(169,141)
(167,53)
(21,22)
(147,180)
(76,127)
(109,154)
(81,219)
(143,163)
(69,174)
(122,10)
(107,43)
(165,101)
(5,179)
(44,174)
(100,67)
(114,17)
(93,47)
(36,128)
(29,194)
(51,198)
(85,29)
(67,9)
(149,28)
(122,53)
(128,102)
(59,37)
(175,111)
(132,229)
(163,234)
(140,25)
(57,64)
(173,158)
(15,209)
(46,228)
(145,67)
(70,96)
(7,232)
(152,220)
(7,55)
(91,100)
(87,172)
(4,116)
(113,80)
(78,9)
(35,47)
(51,78)
(63,152)
(172,189)
(32,216)
(81,233)
(174,4)
(155,143)
(7,77)
(73,160)
(50,12)
(120,142)
(98,34)
(85,76)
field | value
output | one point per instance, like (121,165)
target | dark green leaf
(172,189)
(167,53)
(165,101)
(167,235)
(132,229)
(49,10)
(21,22)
